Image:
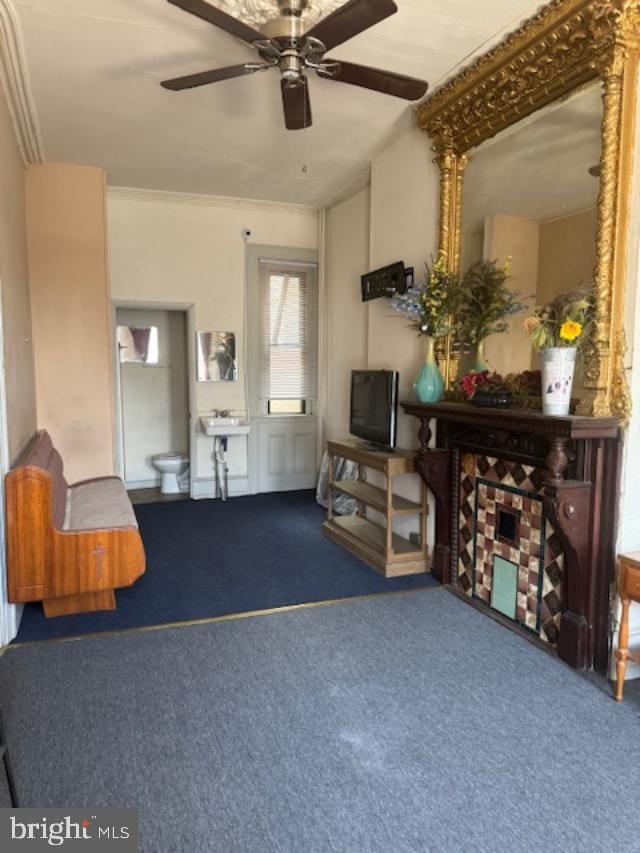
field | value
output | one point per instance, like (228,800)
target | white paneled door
(286,453)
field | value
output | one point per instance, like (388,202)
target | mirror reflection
(216,354)
(530,195)
(138,345)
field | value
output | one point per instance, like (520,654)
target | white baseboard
(206,488)
(142,484)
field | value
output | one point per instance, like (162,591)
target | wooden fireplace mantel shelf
(577,462)
(522,420)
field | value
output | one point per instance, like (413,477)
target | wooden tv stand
(375,543)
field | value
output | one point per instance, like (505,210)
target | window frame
(259,407)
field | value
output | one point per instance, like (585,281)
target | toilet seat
(182,457)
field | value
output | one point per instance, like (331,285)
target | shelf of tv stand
(376,498)
(377,544)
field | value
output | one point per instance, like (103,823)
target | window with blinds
(289,336)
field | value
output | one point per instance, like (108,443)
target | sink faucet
(220,413)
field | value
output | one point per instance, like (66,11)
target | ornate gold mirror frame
(569,43)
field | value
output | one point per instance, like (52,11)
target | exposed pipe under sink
(220,425)
(220,465)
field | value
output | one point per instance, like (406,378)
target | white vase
(558,365)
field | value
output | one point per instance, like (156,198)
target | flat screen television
(374,406)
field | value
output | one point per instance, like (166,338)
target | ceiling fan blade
(386,82)
(349,20)
(297,108)
(213,15)
(193,80)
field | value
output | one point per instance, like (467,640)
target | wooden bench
(68,546)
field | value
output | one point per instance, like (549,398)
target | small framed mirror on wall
(216,355)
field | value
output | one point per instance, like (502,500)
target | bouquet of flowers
(564,322)
(488,302)
(474,381)
(429,307)
(486,389)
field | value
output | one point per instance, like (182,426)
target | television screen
(374,398)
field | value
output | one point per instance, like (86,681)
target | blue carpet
(391,725)
(209,558)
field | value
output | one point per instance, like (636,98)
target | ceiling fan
(293,44)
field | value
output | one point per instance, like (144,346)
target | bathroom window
(288,336)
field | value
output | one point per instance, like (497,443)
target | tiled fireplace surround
(526,519)
(494,491)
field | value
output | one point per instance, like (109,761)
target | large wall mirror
(530,199)
(535,143)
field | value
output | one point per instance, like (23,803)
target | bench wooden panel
(71,571)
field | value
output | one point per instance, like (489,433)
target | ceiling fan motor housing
(288,33)
(291,66)
(290,26)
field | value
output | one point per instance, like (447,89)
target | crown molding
(15,82)
(168,197)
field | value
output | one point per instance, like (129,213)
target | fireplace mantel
(567,472)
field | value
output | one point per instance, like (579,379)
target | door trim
(189,310)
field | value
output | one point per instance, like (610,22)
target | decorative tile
(552,588)
(504,587)
(483,465)
(537,551)
(524,554)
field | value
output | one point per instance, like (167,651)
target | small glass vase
(429,384)
(480,365)
(558,365)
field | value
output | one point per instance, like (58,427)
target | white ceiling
(539,168)
(95,68)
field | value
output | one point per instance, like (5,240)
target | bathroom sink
(224,426)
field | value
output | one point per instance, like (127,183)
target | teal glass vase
(480,365)
(429,384)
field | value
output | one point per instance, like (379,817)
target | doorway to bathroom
(152,398)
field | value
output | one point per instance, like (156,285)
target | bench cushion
(98,504)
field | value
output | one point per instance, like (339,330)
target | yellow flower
(570,330)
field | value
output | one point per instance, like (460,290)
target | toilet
(171,466)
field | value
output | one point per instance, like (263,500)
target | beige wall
(404,226)
(14,284)
(347,258)
(402,223)
(71,317)
(567,255)
(514,237)
(184,250)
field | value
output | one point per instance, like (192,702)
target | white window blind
(289,330)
